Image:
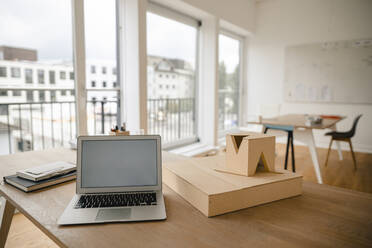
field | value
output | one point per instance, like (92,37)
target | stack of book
(42,176)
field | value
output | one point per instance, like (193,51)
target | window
(172,49)
(92,69)
(63,92)
(41,95)
(72,92)
(52,77)
(93,84)
(71,75)
(28,76)
(104,84)
(53,97)
(15,72)
(114,71)
(29,96)
(62,75)
(17,93)
(229,81)
(100,25)
(114,85)
(3,93)
(2,71)
(40,76)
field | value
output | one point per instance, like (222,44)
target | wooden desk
(304,134)
(322,216)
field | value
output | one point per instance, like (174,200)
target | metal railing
(173,119)
(228,111)
(42,125)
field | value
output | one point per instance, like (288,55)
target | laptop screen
(119,163)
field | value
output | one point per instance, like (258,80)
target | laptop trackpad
(113,214)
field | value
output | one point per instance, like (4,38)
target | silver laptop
(118,180)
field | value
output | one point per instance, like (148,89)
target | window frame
(13,71)
(177,16)
(29,75)
(232,35)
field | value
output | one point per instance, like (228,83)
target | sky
(46,25)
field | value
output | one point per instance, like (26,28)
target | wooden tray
(214,193)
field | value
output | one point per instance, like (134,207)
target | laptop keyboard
(116,200)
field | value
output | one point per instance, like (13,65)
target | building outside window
(52,77)
(72,92)
(28,76)
(104,70)
(41,95)
(2,71)
(114,85)
(63,93)
(92,69)
(104,84)
(93,84)
(17,93)
(71,75)
(40,76)
(62,75)
(114,71)
(15,72)
(3,93)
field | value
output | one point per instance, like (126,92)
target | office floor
(338,173)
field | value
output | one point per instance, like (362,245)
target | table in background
(322,216)
(304,133)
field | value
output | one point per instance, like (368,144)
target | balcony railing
(173,119)
(228,111)
(42,125)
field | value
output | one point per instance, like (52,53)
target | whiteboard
(338,72)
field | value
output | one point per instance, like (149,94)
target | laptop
(119,179)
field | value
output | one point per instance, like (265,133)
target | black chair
(289,130)
(344,136)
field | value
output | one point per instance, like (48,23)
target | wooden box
(244,152)
(215,193)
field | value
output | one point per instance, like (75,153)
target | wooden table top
(298,121)
(323,216)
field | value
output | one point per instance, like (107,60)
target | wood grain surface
(324,216)
(297,121)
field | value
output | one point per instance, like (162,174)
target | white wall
(237,12)
(280,23)
(238,15)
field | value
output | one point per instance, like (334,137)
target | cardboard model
(245,152)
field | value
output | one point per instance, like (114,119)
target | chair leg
(286,153)
(329,150)
(292,150)
(352,153)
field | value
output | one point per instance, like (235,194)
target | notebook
(46,171)
(28,185)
